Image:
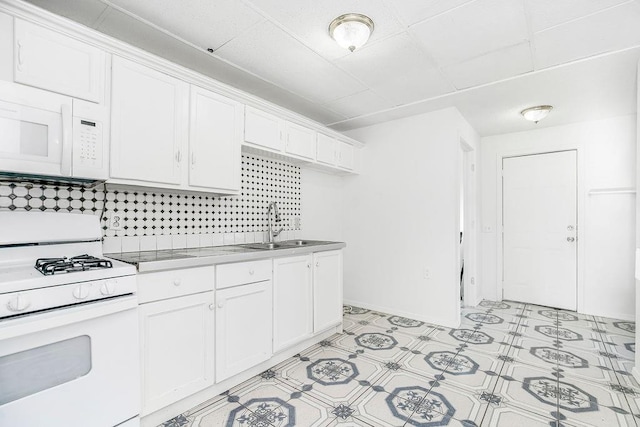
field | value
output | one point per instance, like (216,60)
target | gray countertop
(170,259)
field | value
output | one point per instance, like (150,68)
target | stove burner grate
(49,266)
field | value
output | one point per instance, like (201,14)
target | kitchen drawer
(174,283)
(241,273)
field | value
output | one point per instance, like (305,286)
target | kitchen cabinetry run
(49,60)
(292,301)
(176,335)
(243,317)
(327,289)
(149,124)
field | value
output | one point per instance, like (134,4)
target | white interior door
(539,229)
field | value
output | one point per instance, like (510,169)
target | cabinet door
(327,289)
(176,338)
(243,328)
(345,155)
(52,61)
(301,141)
(149,124)
(215,139)
(262,129)
(326,151)
(292,301)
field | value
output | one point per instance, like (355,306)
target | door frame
(467,177)
(580,200)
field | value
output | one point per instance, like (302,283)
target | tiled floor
(509,364)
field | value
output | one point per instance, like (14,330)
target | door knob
(571,239)
(570,228)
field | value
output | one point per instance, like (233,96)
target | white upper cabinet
(333,152)
(326,150)
(52,61)
(215,140)
(149,124)
(262,129)
(301,141)
(345,155)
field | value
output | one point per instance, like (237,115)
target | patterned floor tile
(490,320)
(339,383)
(461,404)
(618,327)
(387,410)
(472,370)
(406,325)
(623,346)
(377,343)
(220,414)
(430,360)
(506,415)
(485,340)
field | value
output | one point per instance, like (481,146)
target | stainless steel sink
(267,246)
(301,242)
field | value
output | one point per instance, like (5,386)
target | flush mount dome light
(535,114)
(351,30)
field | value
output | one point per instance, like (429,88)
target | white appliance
(51,137)
(69,350)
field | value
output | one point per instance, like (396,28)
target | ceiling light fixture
(351,30)
(535,114)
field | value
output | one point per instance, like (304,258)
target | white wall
(606,159)
(401,216)
(322,207)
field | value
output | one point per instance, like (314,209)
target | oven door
(75,366)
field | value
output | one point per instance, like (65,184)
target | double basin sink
(284,245)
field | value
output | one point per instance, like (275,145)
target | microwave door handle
(65,163)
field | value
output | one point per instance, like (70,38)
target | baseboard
(395,311)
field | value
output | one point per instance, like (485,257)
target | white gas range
(69,351)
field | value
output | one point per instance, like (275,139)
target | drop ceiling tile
(473,29)
(548,13)
(85,12)
(269,52)
(388,59)
(309,20)
(414,11)
(205,23)
(501,64)
(358,104)
(613,29)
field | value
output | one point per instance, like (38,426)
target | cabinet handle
(212,307)
(178,156)
(308,265)
(20,57)
(220,304)
(193,159)
(251,271)
(177,282)
(317,263)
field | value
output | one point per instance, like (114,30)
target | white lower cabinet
(292,301)
(177,338)
(327,289)
(243,328)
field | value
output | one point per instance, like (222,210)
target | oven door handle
(56,318)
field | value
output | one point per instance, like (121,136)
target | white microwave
(53,138)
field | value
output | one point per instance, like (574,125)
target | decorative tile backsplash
(151,213)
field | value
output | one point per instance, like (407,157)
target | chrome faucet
(273,206)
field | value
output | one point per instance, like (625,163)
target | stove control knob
(108,288)
(18,303)
(81,292)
